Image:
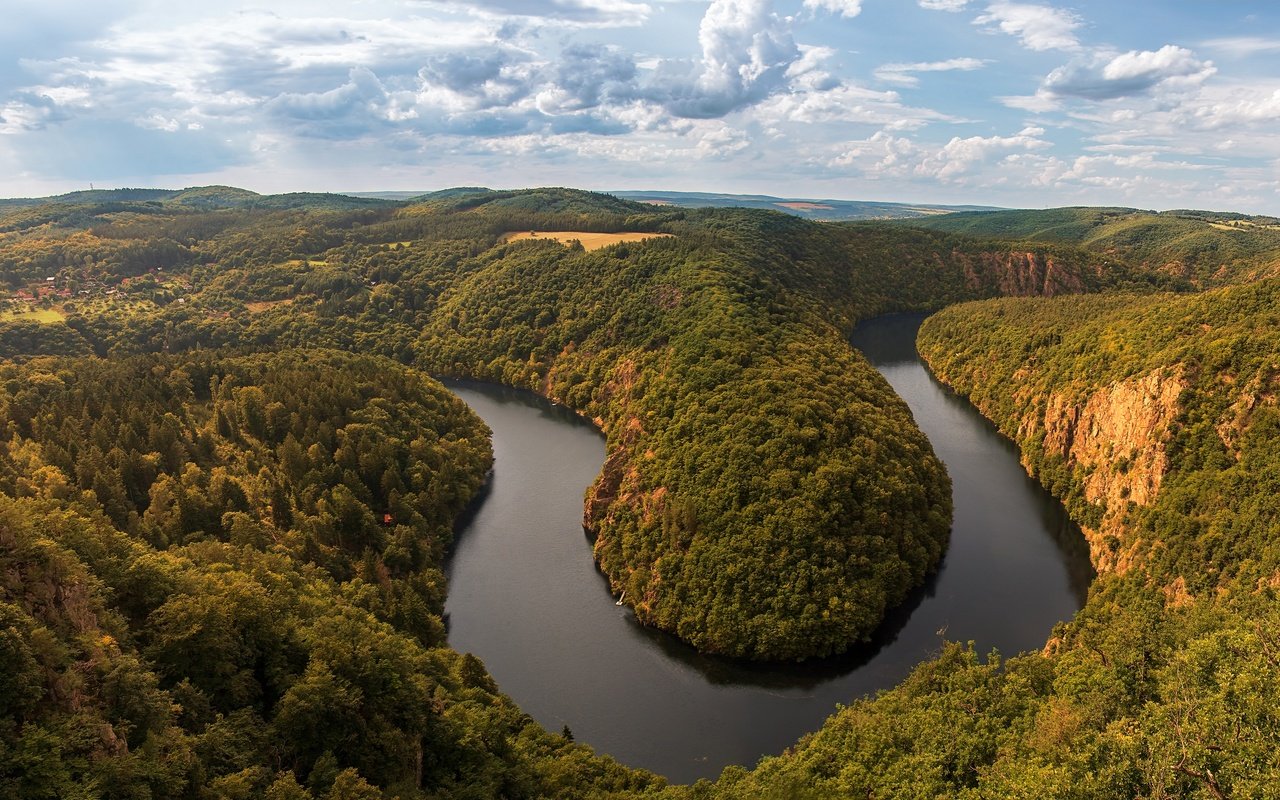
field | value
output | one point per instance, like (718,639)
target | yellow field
(800,206)
(1242,224)
(43,315)
(590,241)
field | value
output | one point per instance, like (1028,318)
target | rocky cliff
(1113,441)
(1020,274)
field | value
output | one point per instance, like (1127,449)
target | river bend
(526,598)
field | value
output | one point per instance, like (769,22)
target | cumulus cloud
(903,73)
(809,73)
(340,112)
(1241,107)
(961,155)
(479,78)
(886,155)
(845,8)
(1038,27)
(1106,77)
(882,154)
(585,77)
(746,53)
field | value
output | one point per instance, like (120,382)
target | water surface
(525,595)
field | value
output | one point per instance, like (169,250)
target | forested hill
(221,576)
(1205,247)
(254,507)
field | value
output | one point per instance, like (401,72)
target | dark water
(526,598)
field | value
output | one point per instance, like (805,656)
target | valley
(229,494)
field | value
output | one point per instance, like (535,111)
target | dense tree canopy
(201,596)
(225,490)
(766,495)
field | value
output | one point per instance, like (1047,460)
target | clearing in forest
(590,241)
(42,315)
(804,206)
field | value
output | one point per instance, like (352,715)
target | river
(526,598)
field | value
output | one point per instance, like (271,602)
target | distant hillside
(203,197)
(1207,247)
(543,201)
(421,194)
(826,210)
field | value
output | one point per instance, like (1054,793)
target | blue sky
(1030,104)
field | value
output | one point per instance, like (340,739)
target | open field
(1239,225)
(43,315)
(591,241)
(803,206)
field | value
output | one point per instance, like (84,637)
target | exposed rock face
(619,489)
(1024,274)
(1116,442)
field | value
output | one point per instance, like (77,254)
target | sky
(1171,104)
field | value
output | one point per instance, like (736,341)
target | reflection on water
(526,598)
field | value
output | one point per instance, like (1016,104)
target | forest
(227,487)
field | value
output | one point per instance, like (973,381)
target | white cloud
(960,156)
(1038,103)
(944,5)
(1243,46)
(586,77)
(747,51)
(29,114)
(809,72)
(1239,108)
(884,155)
(1038,27)
(1169,61)
(902,73)
(1105,76)
(845,8)
(846,103)
(346,108)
